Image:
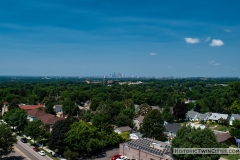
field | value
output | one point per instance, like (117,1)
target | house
(217,117)
(57,108)
(49,120)
(137,122)
(123,129)
(5,107)
(203,117)
(171,129)
(34,114)
(233,117)
(222,136)
(145,149)
(30,107)
(192,116)
(136,108)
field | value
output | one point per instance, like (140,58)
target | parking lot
(109,154)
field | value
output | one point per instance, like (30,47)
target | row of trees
(210,94)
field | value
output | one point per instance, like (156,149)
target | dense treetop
(215,95)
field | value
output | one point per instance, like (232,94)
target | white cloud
(153,54)
(207,39)
(227,30)
(214,63)
(198,66)
(170,67)
(192,40)
(216,42)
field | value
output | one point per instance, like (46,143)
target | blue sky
(140,38)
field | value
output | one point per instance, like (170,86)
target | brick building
(146,149)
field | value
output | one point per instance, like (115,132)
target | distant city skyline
(134,38)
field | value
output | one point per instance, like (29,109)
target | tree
(235,130)
(16,117)
(70,155)
(83,138)
(188,137)
(144,109)
(88,116)
(57,135)
(13,104)
(7,139)
(180,110)
(124,120)
(70,108)
(235,108)
(125,136)
(35,129)
(167,115)
(103,122)
(152,126)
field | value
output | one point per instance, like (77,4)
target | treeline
(215,95)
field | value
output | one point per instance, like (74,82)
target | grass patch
(222,128)
(231,156)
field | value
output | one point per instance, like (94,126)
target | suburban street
(28,152)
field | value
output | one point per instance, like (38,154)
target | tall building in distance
(117,75)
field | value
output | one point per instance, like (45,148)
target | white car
(42,153)
(122,158)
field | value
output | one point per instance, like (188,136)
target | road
(28,152)
(15,155)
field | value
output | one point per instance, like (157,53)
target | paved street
(16,155)
(28,152)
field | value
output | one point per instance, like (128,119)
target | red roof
(35,113)
(30,107)
(49,119)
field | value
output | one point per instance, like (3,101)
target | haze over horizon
(139,38)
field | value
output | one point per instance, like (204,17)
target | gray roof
(218,116)
(192,114)
(202,116)
(236,116)
(174,127)
(124,129)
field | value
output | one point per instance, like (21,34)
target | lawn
(231,156)
(221,128)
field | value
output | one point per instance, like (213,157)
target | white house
(192,116)
(233,117)
(204,117)
(218,117)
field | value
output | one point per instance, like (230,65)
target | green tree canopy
(234,108)
(188,137)
(70,108)
(235,130)
(57,135)
(152,126)
(167,115)
(35,129)
(83,138)
(7,139)
(102,121)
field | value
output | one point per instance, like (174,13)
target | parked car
(24,140)
(42,153)
(116,156)
(122,158)
(36,149)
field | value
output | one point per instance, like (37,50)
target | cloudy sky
(141,38)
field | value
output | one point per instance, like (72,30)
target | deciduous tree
(152,126)
(188,137)
(7,139)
